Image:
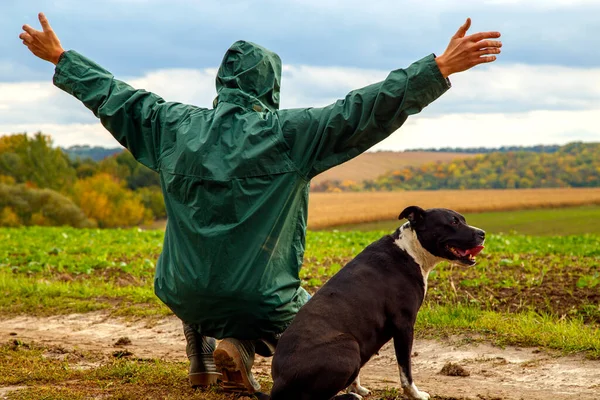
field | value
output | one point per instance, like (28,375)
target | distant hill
(365,166)
(95,153)
(483,150)
(371,165)
(572,165)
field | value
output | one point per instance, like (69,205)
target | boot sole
(204,379)
(229,362)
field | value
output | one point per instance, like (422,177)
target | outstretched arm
(141,121)
(321,138)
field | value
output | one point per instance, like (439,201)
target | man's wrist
(442,66)
(57,57)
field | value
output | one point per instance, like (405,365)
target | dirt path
(499,374)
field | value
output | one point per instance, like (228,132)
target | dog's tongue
(474,251)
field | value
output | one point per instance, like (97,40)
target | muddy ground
(495,373)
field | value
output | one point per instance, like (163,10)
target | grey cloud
(132,37)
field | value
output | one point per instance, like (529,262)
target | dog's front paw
(422,395)
(413,393)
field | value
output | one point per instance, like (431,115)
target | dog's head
(445,233)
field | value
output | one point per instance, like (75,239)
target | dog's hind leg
(309,375)
(355,387)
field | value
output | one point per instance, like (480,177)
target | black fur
(372,300)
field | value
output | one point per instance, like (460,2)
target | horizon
(119,147)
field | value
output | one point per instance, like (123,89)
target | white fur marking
(356,388)
(410,389)
(409,242)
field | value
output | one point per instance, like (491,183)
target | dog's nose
(481,233)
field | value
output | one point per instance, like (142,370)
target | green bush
(34,161)
(22,205)
(153,200)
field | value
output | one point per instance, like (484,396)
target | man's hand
(465,52)
(44,44)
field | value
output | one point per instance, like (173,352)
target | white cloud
(492,106)
(494,130)
(190,86)
(521,87)
(506,88)
(65,135)
(15,94)
(452,130)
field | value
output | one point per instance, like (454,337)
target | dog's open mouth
(466,255)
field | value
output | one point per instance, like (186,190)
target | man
(235,181)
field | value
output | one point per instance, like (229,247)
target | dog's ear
(413,214)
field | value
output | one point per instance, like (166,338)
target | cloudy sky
(544,88)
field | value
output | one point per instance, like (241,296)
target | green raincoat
(235,178)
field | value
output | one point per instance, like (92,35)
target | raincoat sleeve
(140,121)
(321,138)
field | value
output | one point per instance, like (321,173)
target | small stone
(123,341)
(451,369)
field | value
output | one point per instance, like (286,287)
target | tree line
(541,148)
(42,185)
(572,165)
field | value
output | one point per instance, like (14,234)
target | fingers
(462,31)
(476,37)
(29,30)
(44,21)
(485,50)
(26,37)
(487,43)
(491,50)
(484,60)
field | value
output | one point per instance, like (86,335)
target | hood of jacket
(249,76)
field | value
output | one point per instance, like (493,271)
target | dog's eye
(455,221)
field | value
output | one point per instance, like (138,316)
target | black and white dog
(373,299)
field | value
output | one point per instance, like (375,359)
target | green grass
(558,221)
(525,290)
(47,271)
(521,329)
(49,296)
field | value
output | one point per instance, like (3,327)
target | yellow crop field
(372,165)
(333,209)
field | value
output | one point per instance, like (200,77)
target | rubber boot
(234,359)
(199,349)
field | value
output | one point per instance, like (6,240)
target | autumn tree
(106,200)
(22,205)
(34,161)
